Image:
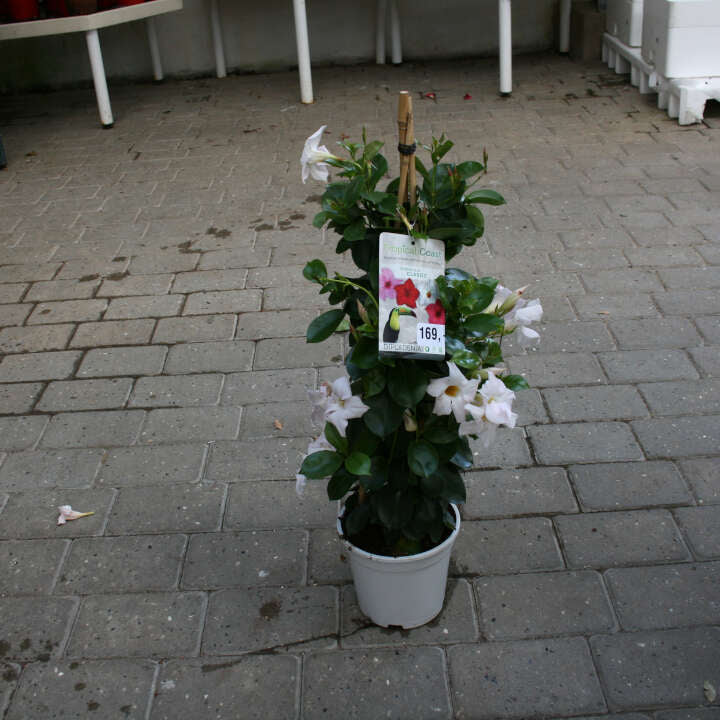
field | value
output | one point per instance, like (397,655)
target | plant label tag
(412,319)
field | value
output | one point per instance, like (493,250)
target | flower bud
(409,421)
(362,312)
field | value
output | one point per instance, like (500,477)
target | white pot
(407,591)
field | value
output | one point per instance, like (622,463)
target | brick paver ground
(153,370)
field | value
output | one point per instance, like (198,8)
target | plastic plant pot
(22,10)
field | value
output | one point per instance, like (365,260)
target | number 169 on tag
(430,334)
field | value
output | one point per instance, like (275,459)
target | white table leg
(380,32)
(396,40)
(303,51)
(98,73)
(565,25)
(220,67)
(505,42)
(154,49)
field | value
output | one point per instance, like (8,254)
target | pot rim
(401,559)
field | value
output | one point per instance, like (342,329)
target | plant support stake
(406,148)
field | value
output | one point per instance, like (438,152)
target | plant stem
(344,281)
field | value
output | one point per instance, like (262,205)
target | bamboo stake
(406,137)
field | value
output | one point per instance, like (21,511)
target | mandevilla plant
(395,436)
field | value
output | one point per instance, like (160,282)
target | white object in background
(409,590)
(220,67)
(624,20)
(682,37)
(622,58)
(505,35)
(564,41)
(685,98)
(381,32)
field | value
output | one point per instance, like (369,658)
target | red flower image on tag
(407,293)
(436,313)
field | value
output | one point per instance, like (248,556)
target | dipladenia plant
(394,438)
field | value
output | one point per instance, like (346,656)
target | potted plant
(396,431)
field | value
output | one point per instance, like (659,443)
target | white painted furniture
(624,20)
(682,37)
(504,36)
(90,24)
(301,40)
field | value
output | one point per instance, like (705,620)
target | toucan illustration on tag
(391,331)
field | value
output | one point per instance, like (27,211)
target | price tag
(431,336)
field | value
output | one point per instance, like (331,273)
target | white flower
(521,316)
(67,513)
(491,408)
(343,405)
(314,156)
(452,393)
(320,443)
(319,399)
(501,295)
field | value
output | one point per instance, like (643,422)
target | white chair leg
(564,34)
(303,51)
(220,67)
(380,32)
(98,73)
(154,49)
(505,38)
(395,35)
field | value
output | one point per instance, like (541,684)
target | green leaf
(320,219)
(358,519)
(364,353)
(515,382)
(372,149)
(315,271)
(380,168)
(357,463)
(323,326)
(466,359)
(355,232)
(468,169)
(456,275)
(482,325)
(378,474)
(321,464)
(420,167)
(485,197)
(443,233)
(335,438)
(463,456)
(439,431)
(453,486)
(374,381)
(374,196)
(476,218)
(360,438)
(339,484)
(383,417)
(407,383)
(422,458)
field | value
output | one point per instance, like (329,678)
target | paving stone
(509,449)
(126,285)
(138,625)
(710,327)
(75,269)
(277,420)
(707,359)
(545,604)
(297,353)
(246,388)
(620,538)
(604,259)
(699,278)
(30,565)
(184,391)
(191,424)
(19,398)
(245,559)
(29,272)
(615,486)
(263,459)
(621,282)
(35,339)
(122,564)
(102,428)
(274,324)
(666,596)
(210,280)
(574,337)
(702,529)
(203,688)
(123,361)
(531,491)
(254,619)
(223,301)
(39,366)
(64,311)
(292,297)
(166,509)
(704,478)
(274,504)
(524,678)
(327,562)
(612,402)
(69,395)
(583,442)
(147,465)
(60,290)
(14,314)
(8,681)
(21,432)
(493,547)
(679,398)
(647,365)
(561,369)
(144,306)
(163,262)
(679,437)
(656,669)
(33,513)
(11,293)
(228,357)
(40,469)
(650,333)
(240,258)
(594,307)
(34,628)
(118,689)
(113,332)
(690,714)
(194,329)
(688,302)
